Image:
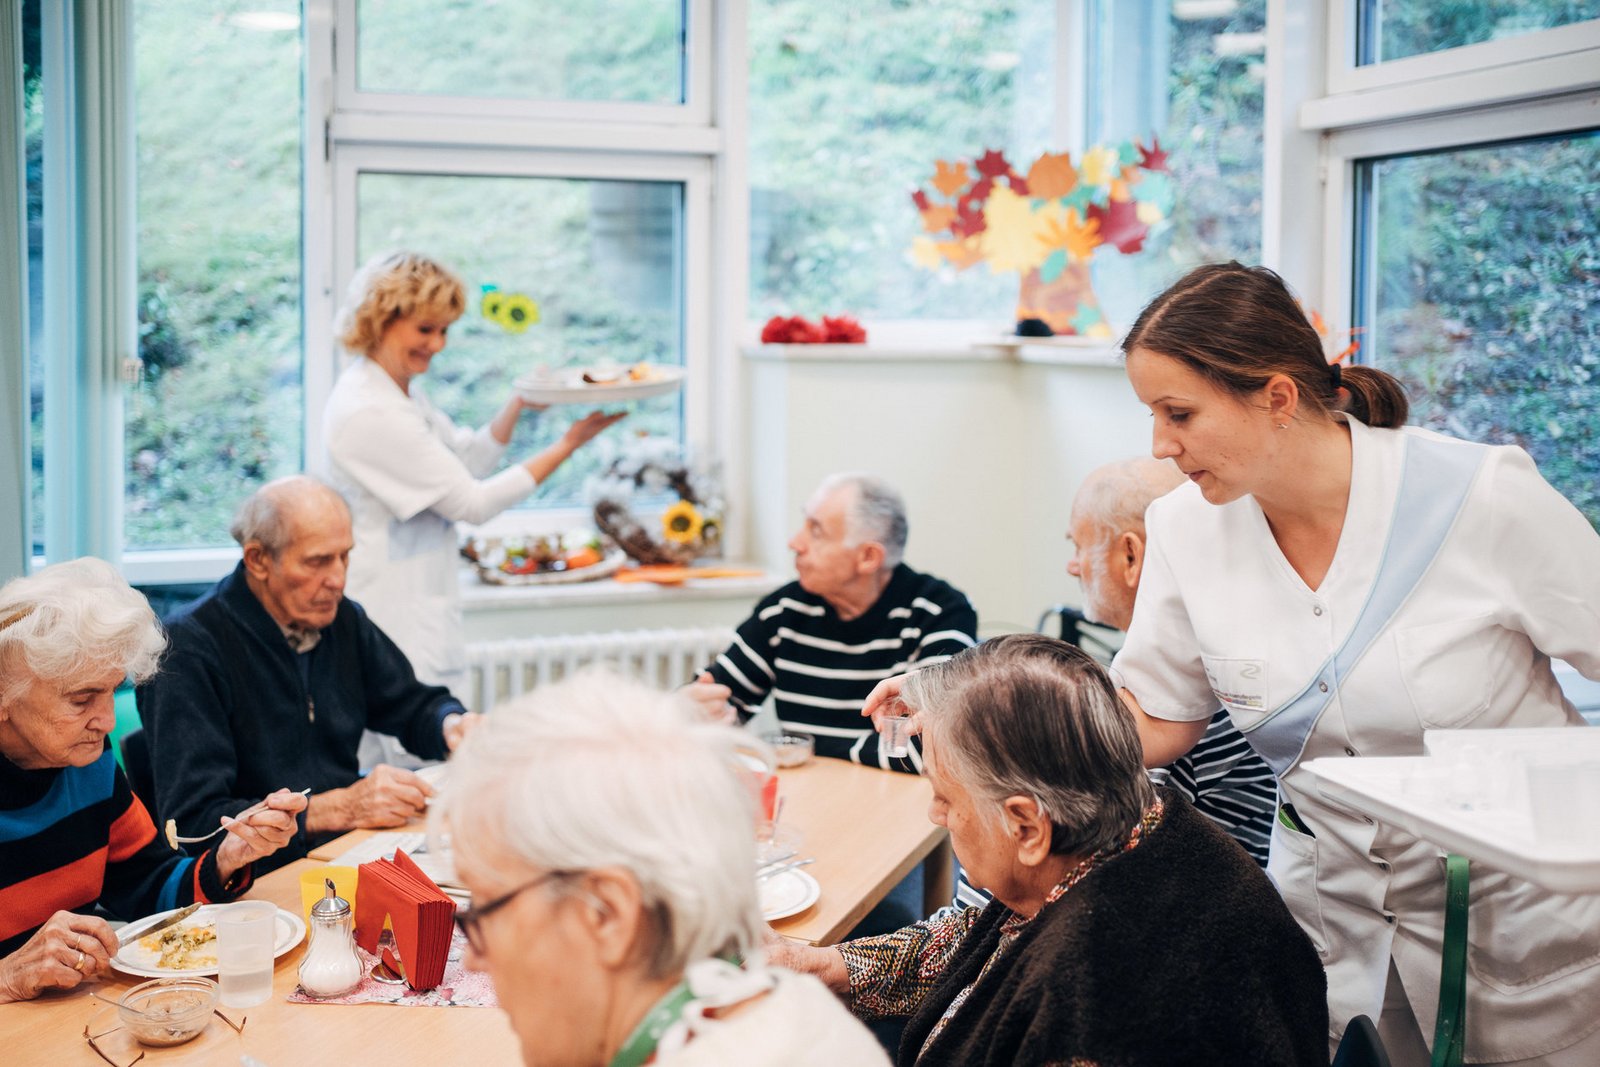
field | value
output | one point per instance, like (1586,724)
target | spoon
(172,824)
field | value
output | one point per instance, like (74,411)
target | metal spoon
(781,868)
(172,824)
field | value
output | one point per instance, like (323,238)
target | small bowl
(168,1011)
(791,750)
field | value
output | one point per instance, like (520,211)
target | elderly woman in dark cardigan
(1124,929)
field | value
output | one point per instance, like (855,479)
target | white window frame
(695,110)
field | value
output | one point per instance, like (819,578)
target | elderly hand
(457,726)
(827,964)
(389,796)
(884,701)
(712,698)
(259,832)
(66,950)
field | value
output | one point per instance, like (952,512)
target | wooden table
(49,1030)
(867,828)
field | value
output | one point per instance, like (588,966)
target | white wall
(987,448)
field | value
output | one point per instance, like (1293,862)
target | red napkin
(769,797)
(397,892)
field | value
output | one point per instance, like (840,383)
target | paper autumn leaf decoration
(1052,218)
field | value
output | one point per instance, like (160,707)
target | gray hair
(1030,715)
(71,619)
(877,513)
(600,771)
(1116,496)
(266,515)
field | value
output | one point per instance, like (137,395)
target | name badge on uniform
(1240,684)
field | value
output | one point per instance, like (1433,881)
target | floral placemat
(460,987)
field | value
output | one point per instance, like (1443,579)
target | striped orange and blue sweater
(74,837)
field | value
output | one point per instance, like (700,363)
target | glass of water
(246,933)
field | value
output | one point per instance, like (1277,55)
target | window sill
(1050,351)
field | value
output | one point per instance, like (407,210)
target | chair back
(137,766)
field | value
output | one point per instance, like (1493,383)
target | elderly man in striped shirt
(855,615)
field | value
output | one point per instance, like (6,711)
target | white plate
(788,894)
(291,928)
(567,386)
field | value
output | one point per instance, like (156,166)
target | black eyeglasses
(468,919)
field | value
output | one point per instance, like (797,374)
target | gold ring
(78,966)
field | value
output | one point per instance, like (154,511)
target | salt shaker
(331,967)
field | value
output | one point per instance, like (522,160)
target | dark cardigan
(234,713)
(1178,952)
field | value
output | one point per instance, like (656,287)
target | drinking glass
(246,932)
(896,739)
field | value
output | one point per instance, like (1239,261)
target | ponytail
(1375,397)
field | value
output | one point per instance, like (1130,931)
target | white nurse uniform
(1420,622)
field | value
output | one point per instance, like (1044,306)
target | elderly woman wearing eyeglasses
(72,834)
(606,836)
(1124,926)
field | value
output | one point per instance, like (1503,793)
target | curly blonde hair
(392,286)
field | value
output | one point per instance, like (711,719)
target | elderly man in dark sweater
(272,675)
(855,615)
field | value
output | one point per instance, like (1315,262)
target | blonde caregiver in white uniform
(1341,588)
(409,473)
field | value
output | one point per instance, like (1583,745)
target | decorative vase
(1066,303)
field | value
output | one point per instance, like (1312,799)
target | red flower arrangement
(797,330)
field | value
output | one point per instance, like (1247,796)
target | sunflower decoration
(647,472)
(681,523)
(512,312)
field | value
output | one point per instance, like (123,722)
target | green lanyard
(641,1044)
(1450,1029)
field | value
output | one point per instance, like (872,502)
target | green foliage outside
(1487,296)
(1401,28)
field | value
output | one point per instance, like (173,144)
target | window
(219,407)
(1394,29)
(616,50)
(1479,267)
(850,105)
(33,124)
(602,260)
(1193,75)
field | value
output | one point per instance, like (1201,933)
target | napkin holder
(396,894)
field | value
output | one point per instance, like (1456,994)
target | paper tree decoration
(1046,224)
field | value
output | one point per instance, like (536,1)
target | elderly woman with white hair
(72,834)
(606,837)
(1125,927)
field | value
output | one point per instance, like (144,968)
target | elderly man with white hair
(72,834)
(273,675)
(606,835)
(855,615)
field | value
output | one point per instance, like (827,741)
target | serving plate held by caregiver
(133,958)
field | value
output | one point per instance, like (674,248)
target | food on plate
(538,554)
(184,947)
(639,372)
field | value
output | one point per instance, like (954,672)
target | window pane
(1395,29)
(850,105)
(1483,266)
(1192,73)
(33,126)
(601,260)
(593,50)
(219,409)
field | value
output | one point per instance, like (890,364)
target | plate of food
(598,383)
(188,947)
(788,893)
(547,559)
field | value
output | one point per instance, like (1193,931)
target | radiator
(497,671)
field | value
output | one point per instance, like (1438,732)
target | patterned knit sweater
(72,837)
(819,668)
